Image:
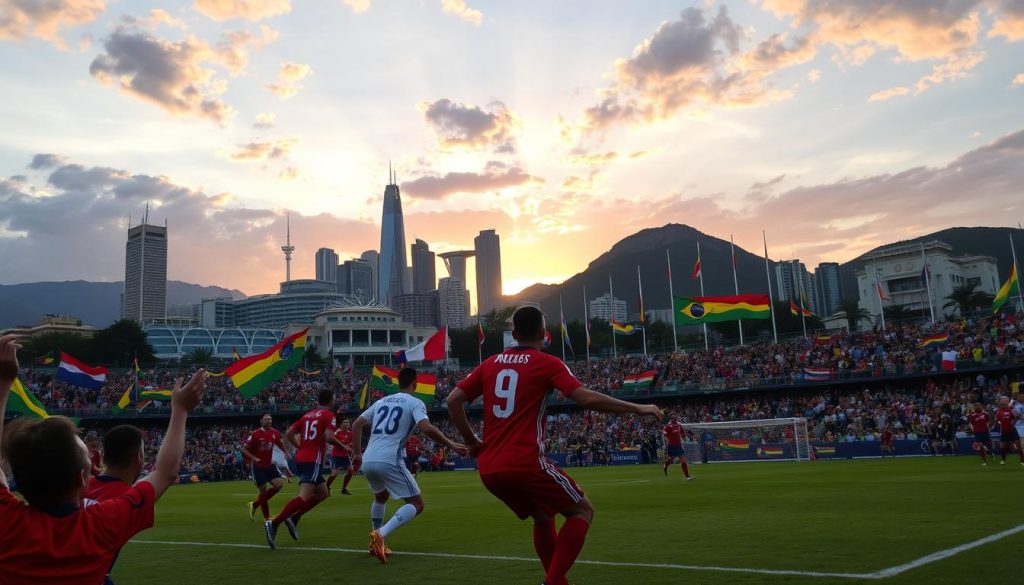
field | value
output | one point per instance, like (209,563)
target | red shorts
(546,489)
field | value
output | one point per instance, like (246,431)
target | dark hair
(325,397)
(121,445)
(406,378)
(45,459)
(528,324)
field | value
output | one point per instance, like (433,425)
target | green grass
(828,516)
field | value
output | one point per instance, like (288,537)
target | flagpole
(768,275)
(1016,270)
(479,342)
(878,293)
(611,313)
(561,319)
(586,321)
(803,317)
(672,301)
(643,319)
(928,281)
(735,282)
(701,276)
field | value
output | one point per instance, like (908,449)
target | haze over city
(835,126)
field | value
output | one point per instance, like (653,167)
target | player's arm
(293,438)
(434,433)
(280,445)
(457,401)
(357,441)
(603,403)
(8,374)
(332,439)
(247,453)
(168,459)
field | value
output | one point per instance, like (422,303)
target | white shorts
(391,476)
(279,459)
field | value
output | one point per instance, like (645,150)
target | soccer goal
(771,439)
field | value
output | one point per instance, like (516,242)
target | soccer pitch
(920,520)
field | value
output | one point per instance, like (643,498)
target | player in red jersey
(95,456)
(887,438)
(310,435)
(1009,440)
(342,461)
(515,385)
(412,454)
(980,423)
(49,538)
(258,447)
(673,433)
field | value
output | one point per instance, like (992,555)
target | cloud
(357,6)
(495,177)
(221,10)
(264,120)
(462,126)
(814,75)
(45,161)
(885,94)
(1018,80)
(1010,23)
(172,75)
(260,151)
(459,9)
(289,174)
(288,78)
(233,48)
(20,19)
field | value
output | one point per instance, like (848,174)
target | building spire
(288,248)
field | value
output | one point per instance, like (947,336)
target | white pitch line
(944,554)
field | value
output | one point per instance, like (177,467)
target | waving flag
(431,349)
(796,310)
(588,332)
(734,444)
(930,340)
(161,394)
(565,335)
(386,380)
(882,296)
(125,401)
(623,328)
(480,333)
(1009,288)
(696,269)
(235,355)
(638,381)
(21,400)
(253,374)
(80,374)
(817,375)
(695,310)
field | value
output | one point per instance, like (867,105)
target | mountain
(95,303)
(646,249)
(986,241)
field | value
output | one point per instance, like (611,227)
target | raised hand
(8,360)
(649,410)
(188,396)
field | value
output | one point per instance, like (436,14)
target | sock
(377,514)
(402,516)
(545,538)
(258,501)
(309,505)
(294,505)
(570,543)
(265,508)
(330,480)
(667,464)
(686,469)
(348,478)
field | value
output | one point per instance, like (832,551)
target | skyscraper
(830,285)
(424,274)
(794,281)
(326,265)
(145,272)
(453,302)
(392,272)
(488,272)
(372,257)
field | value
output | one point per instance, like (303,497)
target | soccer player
(412,454)
(258,447)
(341,457)
(515,385)
(49,538)
(1009,440)
(310,435)
(980,423)
(391,420)
(887,438)
(280,460)
(673,434)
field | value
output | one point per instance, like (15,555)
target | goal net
(773,439)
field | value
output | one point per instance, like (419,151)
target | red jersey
(887,436)
(261,444)
(979,421)
(673,433)
(312,429)
(1006,419)
(104,487)
(73,546)
(412,446)
(346,438)
(515,385)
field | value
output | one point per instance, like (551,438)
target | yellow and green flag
(696,310)
(161,394)
(125,401)
(22,401)
(253,374)
(1009,288)
(364,395)
(386,380)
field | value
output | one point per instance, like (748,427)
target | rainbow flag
(638,381)
(930,340)
(22,401)
(696,310)
(772,451)
(1009,288)
(824,450)
(734,444)
(255,373)
(797,310)
(161,394)
(386,380)
(622,328)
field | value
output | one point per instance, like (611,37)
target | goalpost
(770,439)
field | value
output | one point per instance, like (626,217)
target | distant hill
(646,249)
(95,303)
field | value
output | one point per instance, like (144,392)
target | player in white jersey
(280,461)
(391,420)
(1018,408)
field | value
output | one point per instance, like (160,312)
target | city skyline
(838,126)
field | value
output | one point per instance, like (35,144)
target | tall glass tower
(391,275)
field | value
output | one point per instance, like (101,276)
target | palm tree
(965,298)
(199,356)
(854,313)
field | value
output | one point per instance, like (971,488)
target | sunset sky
(565,125)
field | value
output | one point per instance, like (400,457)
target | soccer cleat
(666,471)
(293,531)
(252,510)
(271,531)
(345,491)
(983,464)
(387,549)
(1002,463)
(378,548)
(689,479)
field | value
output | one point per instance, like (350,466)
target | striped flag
(696,268)
(817,375)
(364,395)
(161,394)
(125,401)
(78,373)
(255,373)
(930,340)
(386,380)
(565,334)
(21,400)
(638,381)
(235,355)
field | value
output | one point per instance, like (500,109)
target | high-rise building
(372,257)
(793,282)
(830,288)
(424,274)
(355,278)
(326,265)
(488,272)
(420,309)
(145,272)
(391,278)
(608,308)
(453,303)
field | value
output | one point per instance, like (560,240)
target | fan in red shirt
(980,423)
(1009,439)
(515,385)
(258,447)
(51,539)
(310,435)
(673,433)
(412,454)
(342,457)
(887,438)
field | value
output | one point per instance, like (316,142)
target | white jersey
(1018,409)
(391,421)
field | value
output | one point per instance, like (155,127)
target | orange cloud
(44,20)
(889,93)
(463,126)
(459,9)
(289,77)
(260,151)
(221,10)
